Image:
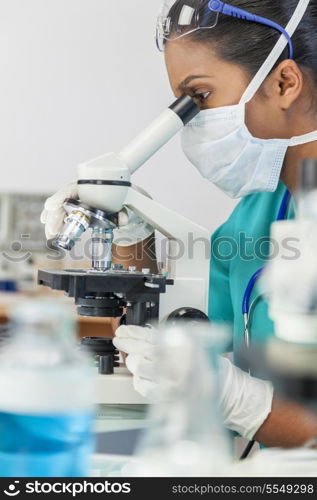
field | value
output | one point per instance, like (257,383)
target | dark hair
(248,44)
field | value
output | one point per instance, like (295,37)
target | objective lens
(102,249)
(76,223)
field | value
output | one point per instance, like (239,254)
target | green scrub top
(240,247)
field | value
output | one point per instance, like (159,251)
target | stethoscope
(246,305)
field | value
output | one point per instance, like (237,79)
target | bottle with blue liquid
(46,409)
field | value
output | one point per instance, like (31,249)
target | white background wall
(79,78)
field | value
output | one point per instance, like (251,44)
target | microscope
(106,290)
(291,280)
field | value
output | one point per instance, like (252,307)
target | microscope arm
(189,251)
(188,259)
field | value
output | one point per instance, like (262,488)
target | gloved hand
(53,214)
(245,401)
(131,227)
(140,345)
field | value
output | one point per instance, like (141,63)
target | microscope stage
(80,282)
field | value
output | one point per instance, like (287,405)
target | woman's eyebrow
(184,84)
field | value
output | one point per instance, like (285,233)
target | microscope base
(117,389)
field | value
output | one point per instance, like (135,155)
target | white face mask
(219,144)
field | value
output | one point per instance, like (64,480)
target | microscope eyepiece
(185,108)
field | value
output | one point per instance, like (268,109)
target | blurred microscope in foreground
(292,284)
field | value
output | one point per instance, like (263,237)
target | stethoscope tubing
(254,278)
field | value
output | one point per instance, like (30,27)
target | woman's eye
(202,96)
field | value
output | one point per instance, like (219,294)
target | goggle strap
(231,10)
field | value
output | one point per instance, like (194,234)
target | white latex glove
(140,345)
(245,401)
(53,214)
(132,228)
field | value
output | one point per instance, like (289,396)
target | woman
(240,142)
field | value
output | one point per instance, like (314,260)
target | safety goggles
(179,18)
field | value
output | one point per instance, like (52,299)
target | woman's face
(195,70)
